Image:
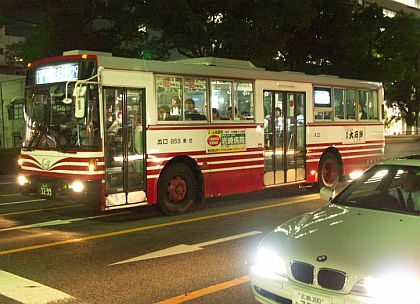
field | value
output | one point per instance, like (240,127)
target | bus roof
(218,68)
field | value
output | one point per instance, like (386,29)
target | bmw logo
(322,258)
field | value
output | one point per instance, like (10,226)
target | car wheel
(329,171)
(176,189)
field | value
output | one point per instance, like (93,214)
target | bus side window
(195,103)
(169,94)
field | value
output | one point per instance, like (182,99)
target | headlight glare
(269,263)
(394,288)
(22,180)
(77,186)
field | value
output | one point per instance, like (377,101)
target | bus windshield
(51,123)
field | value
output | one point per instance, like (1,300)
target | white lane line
(9,183)
(29,292)
(62,222)
(182,248)
(22,202)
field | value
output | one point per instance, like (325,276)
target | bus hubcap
(177,189)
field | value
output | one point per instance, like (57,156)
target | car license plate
(303,297)
(46,190)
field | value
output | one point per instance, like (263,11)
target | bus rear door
(284,137)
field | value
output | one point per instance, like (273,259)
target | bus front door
(284,137)
(124,146)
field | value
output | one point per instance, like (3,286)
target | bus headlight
(22,180)
(20,161)
(77,186)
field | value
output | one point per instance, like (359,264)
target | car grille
(326,278)
(303,272)
(331,279)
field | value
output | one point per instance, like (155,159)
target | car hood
(360,242)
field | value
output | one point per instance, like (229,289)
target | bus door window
(135,139)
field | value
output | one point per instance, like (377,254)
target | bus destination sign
(57,73)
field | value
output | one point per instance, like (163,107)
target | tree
(402,86)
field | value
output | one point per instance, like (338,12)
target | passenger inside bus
(191,113)
(176,108)
(215,113)
(163,113)
(362,113)
(234,116)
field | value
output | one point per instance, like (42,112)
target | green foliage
(9,158)
(337,37)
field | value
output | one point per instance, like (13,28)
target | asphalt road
(68,251)
(76,252)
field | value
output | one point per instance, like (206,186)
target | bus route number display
(225,141)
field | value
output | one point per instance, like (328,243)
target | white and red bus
(131,132)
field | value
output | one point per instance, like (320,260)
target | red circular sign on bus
(213,140)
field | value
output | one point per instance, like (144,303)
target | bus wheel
(329,171)
(176,189)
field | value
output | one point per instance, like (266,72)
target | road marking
(182,248)
(169,224)
(62,222)
(23,202)
(29,292)
(40,210)
(8,183)
(205,291)
(11,194)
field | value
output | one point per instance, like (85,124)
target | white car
(363,247)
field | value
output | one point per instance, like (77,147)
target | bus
(129,132)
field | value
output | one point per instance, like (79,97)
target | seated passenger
(409,194)
(234,116)
(215,113)
(191,113)
(163,112)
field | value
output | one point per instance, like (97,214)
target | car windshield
(390,188)
(51,123)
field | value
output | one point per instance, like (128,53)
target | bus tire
(329,171)
(177,189)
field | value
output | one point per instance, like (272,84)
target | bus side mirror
(327,194)
(80,97)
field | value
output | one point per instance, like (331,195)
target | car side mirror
(327,194)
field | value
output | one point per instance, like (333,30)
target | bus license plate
(46,190)
(303,297)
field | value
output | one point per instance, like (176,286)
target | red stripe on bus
(63,58)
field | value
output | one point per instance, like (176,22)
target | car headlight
(393,288)
(269,263)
